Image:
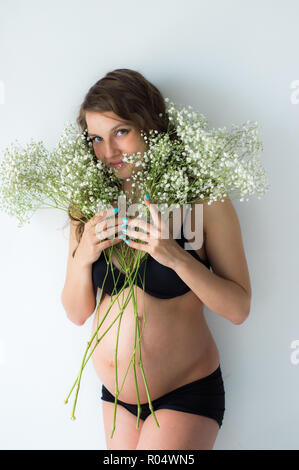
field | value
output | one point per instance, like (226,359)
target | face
(112,137)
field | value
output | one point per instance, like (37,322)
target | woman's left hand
(165,250)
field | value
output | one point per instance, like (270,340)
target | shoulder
(218,210)
(214,213)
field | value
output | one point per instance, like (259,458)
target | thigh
(125,434)
(178,431)
(189,416)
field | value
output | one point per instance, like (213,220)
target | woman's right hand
(95,236)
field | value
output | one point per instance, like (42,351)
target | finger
(100,226)
(145,226)
(110,214)
(154,211)
(107,212)
(103,214)
(105,224)
(137,246)
(104,233)
(137,235)
(106,243)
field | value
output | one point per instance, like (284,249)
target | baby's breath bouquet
(188,163)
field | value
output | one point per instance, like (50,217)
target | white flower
(202,163)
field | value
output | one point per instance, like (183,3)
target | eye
(118,130)
(121,130)
(93,138)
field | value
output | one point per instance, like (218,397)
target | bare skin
(177,347)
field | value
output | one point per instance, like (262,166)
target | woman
(180,357)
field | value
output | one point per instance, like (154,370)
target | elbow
(243,312)
(239,320)
(77,321)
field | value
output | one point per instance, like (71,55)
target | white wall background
(231,60)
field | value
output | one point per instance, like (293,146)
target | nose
(111,152)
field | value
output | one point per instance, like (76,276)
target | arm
(226,291)
(79,294)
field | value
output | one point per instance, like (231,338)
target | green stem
(83,364)
(130,275)
(131,282)
(136,268)
(140,363)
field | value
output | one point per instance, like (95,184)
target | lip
(117,164)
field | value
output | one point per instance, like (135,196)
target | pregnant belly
(176,345)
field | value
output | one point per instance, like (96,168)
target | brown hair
(131,97)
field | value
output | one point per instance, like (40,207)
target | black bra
(159,281)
